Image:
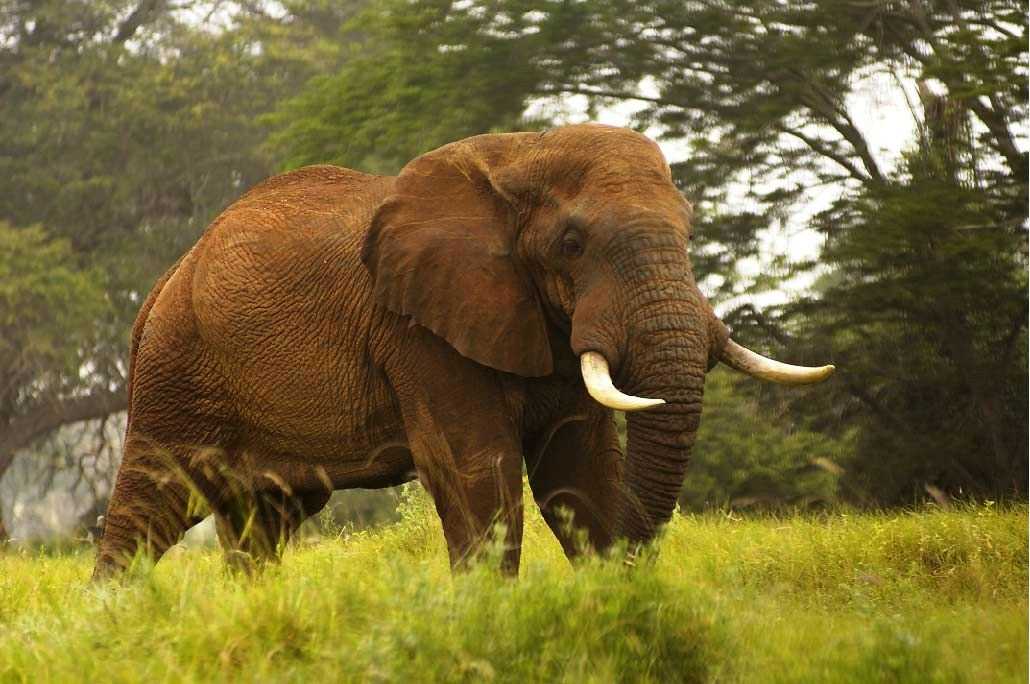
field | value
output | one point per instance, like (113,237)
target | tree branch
(614,94)
(145,12)
(25,429)
(823,103)
(1004,142)
(818,147)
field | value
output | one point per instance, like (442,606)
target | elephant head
(523,248)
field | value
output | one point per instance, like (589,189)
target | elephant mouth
(598,380)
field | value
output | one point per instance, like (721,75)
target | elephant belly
(349,427)
(383,465)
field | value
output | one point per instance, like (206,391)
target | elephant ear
(440,250)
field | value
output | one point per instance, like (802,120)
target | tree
(125,126)
(43,295)
(408,83)
(762,95)
(926,308)
(748,456)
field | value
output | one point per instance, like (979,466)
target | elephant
(482,312)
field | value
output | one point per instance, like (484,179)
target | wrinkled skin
(333,330)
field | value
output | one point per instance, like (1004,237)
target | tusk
(746,361)
(599,384)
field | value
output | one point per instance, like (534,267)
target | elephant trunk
(660,438)
(657,338)
(668,346)
(661,337)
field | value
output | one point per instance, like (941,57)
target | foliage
(921,291)
(925,311)
(747,455)
(124,128)
(922,596)
(43,295)
(410,84)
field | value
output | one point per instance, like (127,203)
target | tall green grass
(930,595)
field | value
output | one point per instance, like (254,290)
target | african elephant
(333,329)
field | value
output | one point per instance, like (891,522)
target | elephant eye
(571,246)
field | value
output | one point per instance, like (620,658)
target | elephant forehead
(601,176)
(623,202)
(602,138)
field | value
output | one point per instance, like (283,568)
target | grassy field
(932,595)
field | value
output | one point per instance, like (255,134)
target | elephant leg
(155,500)
(466,449)
(476,484)
(257,526)
(574,471)
(475,507)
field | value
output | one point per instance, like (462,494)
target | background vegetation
(127,125)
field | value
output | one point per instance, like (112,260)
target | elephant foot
(241,562)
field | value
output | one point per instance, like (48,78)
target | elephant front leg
(575,472)
(467,452)
(478,495)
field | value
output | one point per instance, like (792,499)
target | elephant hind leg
(153,503)
(255,527)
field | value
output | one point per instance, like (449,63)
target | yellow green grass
(928,595)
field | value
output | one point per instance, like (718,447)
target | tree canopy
(124,128)
(919,293)
(126,125)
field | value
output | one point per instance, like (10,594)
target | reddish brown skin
(333,330)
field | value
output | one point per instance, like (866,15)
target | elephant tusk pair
(599,381)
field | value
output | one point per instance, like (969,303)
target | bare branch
(25,429)
(145,12)
(827,106)
(614,94)
(822,149)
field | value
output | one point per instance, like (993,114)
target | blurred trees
(44,294)
(417,76)
(750,455)
(755,453)
(920,292)
(924,295)
(926,310)
(126,125)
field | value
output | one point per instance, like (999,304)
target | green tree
(748,456)
(43,295)
(762,94)
(411,81)
(125,126)
(926,309)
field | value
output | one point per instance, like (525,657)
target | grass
(929,595)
